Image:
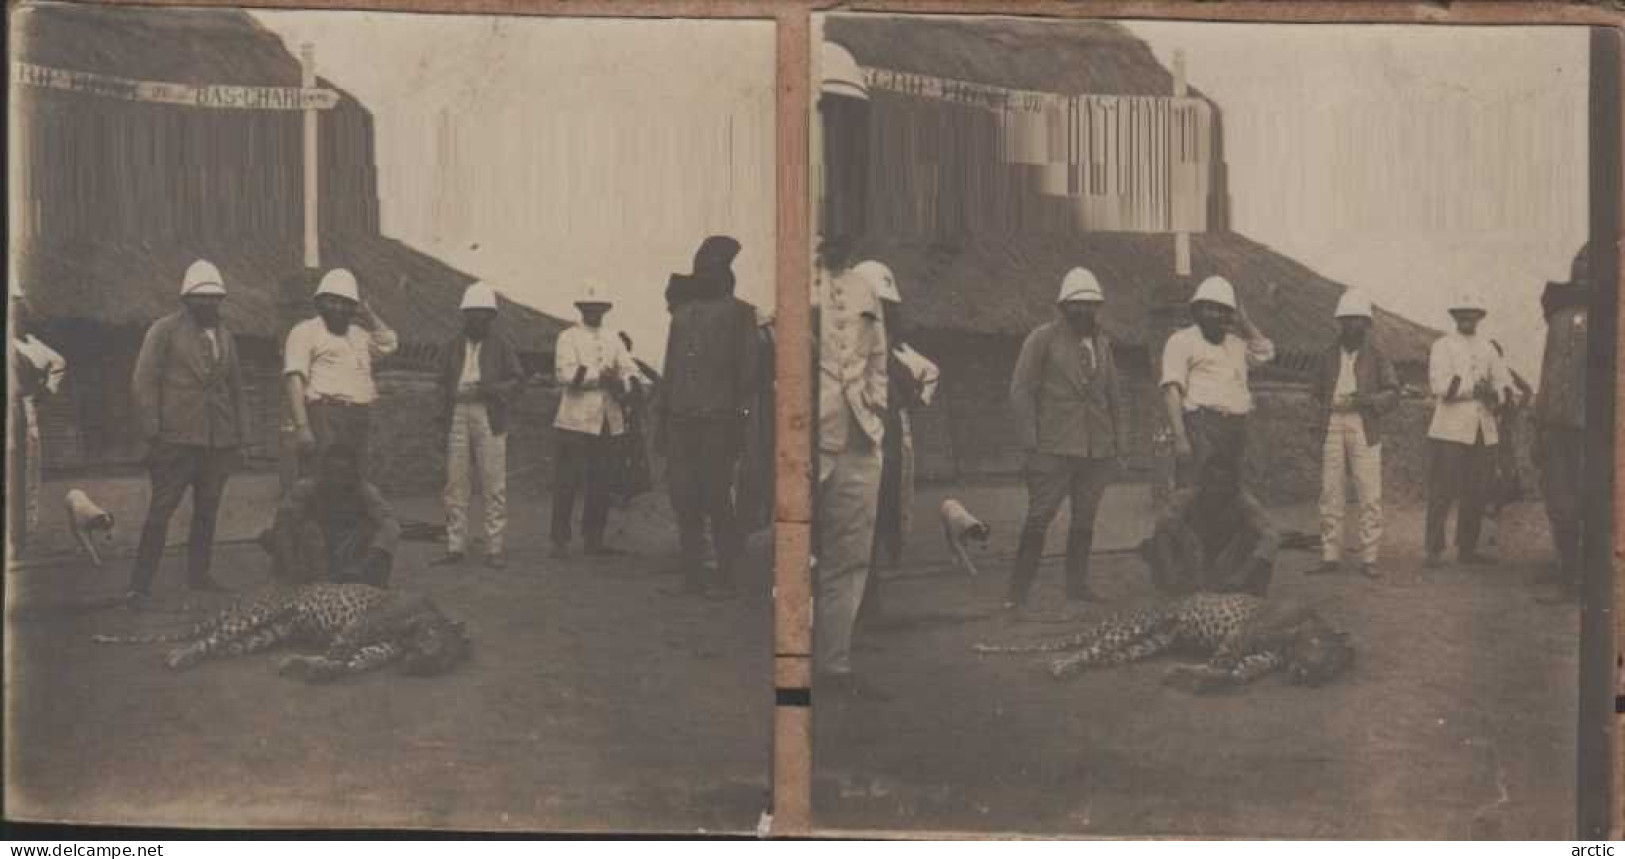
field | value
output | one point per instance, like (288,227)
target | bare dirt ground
(592,702)
(1457,722)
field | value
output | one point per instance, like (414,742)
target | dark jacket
(711,360)
(1560,400)
(501,376)
(1059,411)
(181,395)
(1374,378)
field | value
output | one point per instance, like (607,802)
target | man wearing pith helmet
(1354,385)
(1469,381)
(1069,412)
(328,366)
(480,377)
(1204,378)
(188,394)
(851,351)
(597,374)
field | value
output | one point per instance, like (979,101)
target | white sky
(1408,161)
(565,149)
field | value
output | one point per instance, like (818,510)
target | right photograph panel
(1202,426)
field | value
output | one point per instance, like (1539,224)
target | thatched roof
(119,281)
(1067,57)
(193,46)
(117,286)
(1007,285)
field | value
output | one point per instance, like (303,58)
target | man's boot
(1079,544)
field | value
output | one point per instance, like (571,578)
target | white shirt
(471,365)
(592,408)
(1213,375)
(44,358)
(1472,359)
(214,343)
(1347,385)
(336,367)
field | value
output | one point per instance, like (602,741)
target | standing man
(328,365)
(1069,411)
(1468,380)
(480,376)
(188,394)
(1204,379)
(37,372)
(597,374)
(912,380)
(851,426)
(711,379)
(1560,420)
(1354,385)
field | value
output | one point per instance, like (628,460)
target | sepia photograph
(1212,427)
(390,436)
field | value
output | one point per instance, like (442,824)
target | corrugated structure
(926,176)
(115,196)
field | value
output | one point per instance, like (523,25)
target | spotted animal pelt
(1242,636)
(357,627)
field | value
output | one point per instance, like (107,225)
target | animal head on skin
(435,646)
(1318,655)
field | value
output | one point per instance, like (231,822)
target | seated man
(333,526)
(1213,538)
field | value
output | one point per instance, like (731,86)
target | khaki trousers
(1344,455)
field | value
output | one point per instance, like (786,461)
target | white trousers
(848,491)
(473,446)
(1346,453)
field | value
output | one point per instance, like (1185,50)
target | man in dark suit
(1070,414)
(700,417)
(188,393)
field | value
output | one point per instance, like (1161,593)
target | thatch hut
(995,154)
(116,194)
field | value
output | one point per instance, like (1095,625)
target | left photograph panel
(389,436)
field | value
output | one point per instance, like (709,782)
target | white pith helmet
(478,296)
(1080,285)
(880,279)
(1353,303)
(840,74)
(202,278)
(1217,290)
(340,283)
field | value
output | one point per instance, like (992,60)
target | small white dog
(89,523)
(961,528)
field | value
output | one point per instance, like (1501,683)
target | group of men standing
(1066,395)
(188,392)
(1213,534)
(334,524)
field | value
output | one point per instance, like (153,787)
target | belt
(334,401)
(1207,410)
